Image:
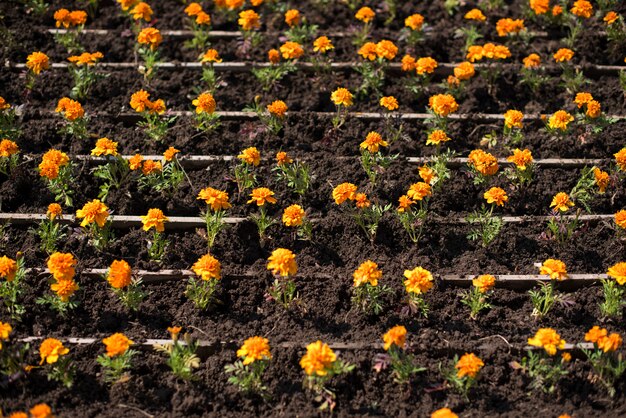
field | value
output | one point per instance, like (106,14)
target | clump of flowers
(282,264)
(217,203)
(295,217)
(375,60)
(424,68)
(373,160)
(95,219)
(411,218)
(523,166)
(247,374)
(495,54)
(58,364)
(182,358)
(36,62)
(477,298)
(418,282)
(508,27)
(118,358)
(245,178)
(462,73)
(206,118)
(73,22)
(201,292)
(342,98)
(366,293)
(295,173)
(12,274)
(607,364)
(155,219)
(262,197)
(61,267)
(484,225)
(154,125)
(544,367)
(590,113)
(163,176)
(81,70)
(126,287)
(402,363)
(482,165)
(320,364)
(148,41)
(199,23)
(56,168)
(75,119)
(613,289)
(464,373)
(270,76)
(544,298)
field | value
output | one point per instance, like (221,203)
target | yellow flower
(65,18)
(154,219)
(602,179)
(291,50)
(292,17)
(8,268)
(5,331)
(282,262)
(507,25)
(261,196)
(540,6)
(561,202)
(361,201)
(566,357)
(170,153)
(51,162)
(395,336)
(233,4)
(205,103)
(427,174)
(582,99)
(418,280)
(548,339)
(251,156)
(595,334)
(496,195)
(443,413)
(425,65)
(618,272)
(282,158)
(386,49)
(8,148)
(120,274)
(207,267)
(389,102)
(343,192)
(468,365)
(610,17)
(151,167)
(436,137)
(248,20)
(318,359)
(104,146)
(193,9)
(61,266)
(554,268)
(3,104)
(594,109)
(142,11)
(341,97)
(563,55)
(415,21)
(203,18)
(559,120)
(215,199)
(127,4)
(521,158)
(254,349)
(94,211)
(443,104)
(485,163)
(464,71)
(293,215)
(322,44)
(64,289)
(475,14)
(620,159)
(582,8)
(408,63)
(365,14)
(475,53)
(140,101)
(211,56)
(368,272)
(404,203)
(71,109)
(373,141)
(620,219)
(41,410)
(532,61)
(513,119)
(54,210)
(273,56)
(51,349)
(150,36)
(610,343)
(557,10)
(117,344)
(484,283)
(418,191)
(368,51)
(277,108)
(86,58)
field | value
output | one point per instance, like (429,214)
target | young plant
(56,168)
(581,10)
(217,203)
(544,367)
(247,374)
(464,374)
(365,15)
(206,118)
(471,33)
(477,298)
(419,83)
(201,293)
(115,172)
(393,126)
(342,98)
(13,357)
(320,59)
(320,364)
(366,293)
(82,70)
(457,84)
(162,178)
(73,22)
(546,296)
(13,273)
(365,214)
(158,244)
(513,127)
(372,160)
(61,266)
(249,21)
(483,224)
(270,76)
(9,126)
(141,12)
(36,62)
(283,266)
(372,69)
(153,124)
(523,167)
(59,365)
(614,291)
(50,231)
(607,364)
(590,115)
(37,7)
(95,220)
(560,227)
(124,285)
(182,358)
(492,69)
(148,41)
(9,156)
(295,217)
(294,173)
(531,74)
(262,196)
(117,361)
(482,165)
(571,79)
(75,119)
(199,23)
(439,107)
(299,30)
(413,30)
(210,79)
(402,363)
(418,281)
(413,220)
(245,178)
(273,116)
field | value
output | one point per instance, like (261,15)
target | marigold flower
(484,283)
(5,331)
(215,199)
(386,49)
(493,51)
(233,4)
(86,58)
(425,65)
(484,162)
(507,26)
(548,339)
(610,17)
(41,410)
(475,14)
(261,196)
(559,120)
(170,153)
(436,137)
(361,201)
(368,272)
(620,218)
(618,272)
(65,18)
(521,158)
(554,268)
(373,141)
(71,109)
(318,359)
(561,202)
(443,104)
(464,71)
(61,266)
(18,414)
(404,202)
(211,55)
(610,343)
(282,158)
(291,50)
(3,104)
(418,280)
(557,10)
(282,262)
(273,56)
(602,179)
(408,63)
(207,267)
(142,11)
(496,195)
(117,344)
(540,6)
(563,55)
(341,97)
(368,51)
(8,148)
(415,21)
(254,349)
(582,99)
(249,20)
(127,4)
(475,53)
(468,365)
(418,191)
(322,44)
(389,102)
(140,101)
(54,210)
(595,334)
(104,146)
(205,103)
(94,211)
(532,61)
(293,215)
(277,108)
(513,119)
(343,192)
(154,219)
(594,109)
(51,349)
(365,14)
(151,167)
(150,36)
(51,162)
(582,8)
(426,173)
(395,336)
(119,275)
(251,156)
(64,289)
(443,413)
(193,9)
(203,18)
(174,331)
(8,268)
(620,159)
(292,17)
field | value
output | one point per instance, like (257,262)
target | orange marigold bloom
(322,44)
(493,51)
(343,192)
(426,173)
(555,269)
(277,108)
(561,202)
(5,331)
(8,268)
(120,274)
(193,9)
(140,101)
(559,120)
(207,267)
(41,410)
(386,49)
(373,141)
(419,191)
(368,272)
(404,202)
(86,58)
(94,211)
(521,158)
(425,65)
(361,201)
(484,283)
(293,215)
(170,153)
(54,210)
(610,17)
(205,103)
(203,19)
(436,137)
(64,289)
(540,6)
(254,349)
(496,195)
(51,162)
(341,97)
(61,266)
(610,343)
(557,10)
(211,55)
(513,119)
(273,56)
(563,55)
(51,349)
(127,4)
(282,262)
(548,339)
(3,104)
(443,104)
(620,159)
(65,18)
(215,199)
(620,219)
(468,365)
(602,179)
(475,53)
(249,20)
(368,51)
(582,99)
(532,61)
(415,21)
(475,14)
(142,11)
(595,334)
(104,146)
(292,17)
(365,14)
(618,272)
(251,156)
(389,102)
(135,162)
(485,163)
(594,109)
(8,148)
(261,196)
(282,158)
(408,63)
(507,25)
(150,36)
(78,17)
(464,71)
(154,219)
(395,336)
(233,4)
(151,167)
(443,413)
(117,344)
(71,109)
(418,280)
(291,50)
(582,8)
(318,359)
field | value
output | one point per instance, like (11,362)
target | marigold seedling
(403,364)
(61,267)
(12,275)
(58,364)
(201,292)
(182,358)
(117,361)
(463,373)
(126,287)
(367,295)
(247,374)
(608,365)
(545,368)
